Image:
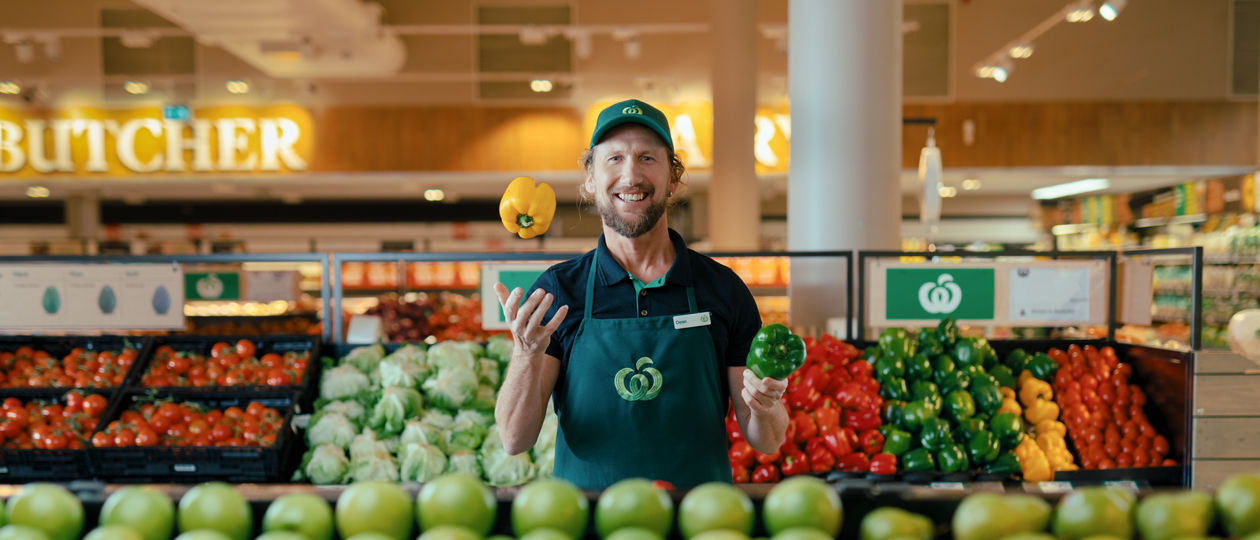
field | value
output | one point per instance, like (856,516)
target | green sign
(936,293)
(212,286)
(517,278)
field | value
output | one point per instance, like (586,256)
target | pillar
(734,200)
(83,220)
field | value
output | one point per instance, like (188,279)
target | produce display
(416,413)
(444,317)
(172,423)
(227,365)
(26,367)
(65,423)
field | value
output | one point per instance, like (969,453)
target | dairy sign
(120,142)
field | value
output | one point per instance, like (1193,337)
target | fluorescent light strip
(1071,188)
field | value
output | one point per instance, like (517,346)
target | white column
(83,220)
(734,217)
(844,69)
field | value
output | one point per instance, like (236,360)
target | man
(657,343)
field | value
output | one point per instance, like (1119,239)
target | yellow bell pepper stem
(1032,390)
(526,208)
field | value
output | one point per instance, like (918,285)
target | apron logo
(638,388)
(943,296)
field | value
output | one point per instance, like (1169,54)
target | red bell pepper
(741,454)
(739,474)
(827,416)
(854,462)
(806,429)
(836,443)
(872,441)
(884,463)
(860,369)
(791,429)
(795,463)
(868,384)
(850,396)
(733,432)
(850,436)
(662,484)
(804,397)
(862,420)
(765,474)
(815,378)
(766,458)
(820,458)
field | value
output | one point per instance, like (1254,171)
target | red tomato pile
(48,425)
(1103,412)
(30,368)
(834,406)
(168,423)
(228,365)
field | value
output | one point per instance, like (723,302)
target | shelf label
(91,297)
(185,468)
(1049,294)
(1054,487)
(948,486)
(269,286)
(1122,484)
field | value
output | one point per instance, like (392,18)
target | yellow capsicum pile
(1047,445)
(527,209)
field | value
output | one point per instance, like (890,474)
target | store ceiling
(87,49)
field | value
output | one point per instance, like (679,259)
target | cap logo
(632,110)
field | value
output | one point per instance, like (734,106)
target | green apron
(642,398)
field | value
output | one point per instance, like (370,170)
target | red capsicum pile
(834,406)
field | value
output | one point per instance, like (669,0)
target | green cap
(632,111)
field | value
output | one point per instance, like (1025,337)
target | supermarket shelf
(1231,259)
(1215,291)
(1207,320)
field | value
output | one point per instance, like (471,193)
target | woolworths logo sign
(927,293)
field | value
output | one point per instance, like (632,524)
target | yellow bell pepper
(1007,393)
(1009,406)
(1032,390)
(527,209)
(1034,465)
(1040,411)
(1051,426)
(1023,376)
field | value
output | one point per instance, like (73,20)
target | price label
(1122,484)
(1054,487)
(185,468)
(948,486)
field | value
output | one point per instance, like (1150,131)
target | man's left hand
(762,395)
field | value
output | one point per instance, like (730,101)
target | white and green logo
(916,293)
(638,388)
(632,110)
(941,296)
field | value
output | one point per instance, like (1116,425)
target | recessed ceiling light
(540,85)
(970,184)
(947,191)
(136,88)
(1021,51)
(1068,189)
(11,88)
(434,195)
(37,192)
(238,87)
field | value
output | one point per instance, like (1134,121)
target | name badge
(692,320)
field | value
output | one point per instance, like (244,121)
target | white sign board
(91,297)
(1047,293)
(269,286)
(512,275)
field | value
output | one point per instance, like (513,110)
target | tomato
(124,437)
(1160,445)
(245,348)
(215,506)
(1124,460)
(146,437)
(219,349)
(220,432)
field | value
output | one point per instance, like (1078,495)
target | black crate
(193,464)
(59,346)
(263,345)
(30,465)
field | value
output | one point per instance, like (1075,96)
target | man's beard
(636,227)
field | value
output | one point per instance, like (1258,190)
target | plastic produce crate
(44,464)
(203,345)
(58,347)
(188,464)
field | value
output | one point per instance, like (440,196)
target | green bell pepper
(870,354)
(1042,366)
(892,411)
(919,459)
(1003,376)
(775,352)
(941,366)
(1009,430)
(990,356)
(1015,360)
(983,447)
(894,389)
(896,342)
(947,332)
(915,414)
(959,405)
(889,367)
(1006,464)
(969,351)
(951,458)
(967,428)
(924,389)
(896,441)
(919,367)
(928,344)
(935,434)
(988,398)
(985,379)
(955,380)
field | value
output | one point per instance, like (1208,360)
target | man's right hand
(529,335)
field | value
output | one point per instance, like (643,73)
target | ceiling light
(1110,9)
(1021,51)
(1082,11)
(11,88)
(238,87)
(434,195)
(947,191)
(1071,188)
(540,85)
(136,88)
(37,192)
(970,184)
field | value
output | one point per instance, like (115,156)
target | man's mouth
(632,197)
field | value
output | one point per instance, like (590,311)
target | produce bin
(58,347)
(202,345)
(47,464)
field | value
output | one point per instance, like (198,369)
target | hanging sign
(91,297)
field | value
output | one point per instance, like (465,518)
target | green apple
(1164,516)
(542,533)
(456,499)
(889,522)
(803,501)
(302,513)
(281,535)
(990,516)
(1094,511)
(720,534)
(458,532)
(553,503)
(634,502)
(203,534)
(1031,536)
(375,506)
(113,532)
(49,508)
(712,506)
(636,533)
(1238,503)
(145,510)
(218,507)
(799,533)
(21,532)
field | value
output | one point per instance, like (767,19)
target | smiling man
(642,341)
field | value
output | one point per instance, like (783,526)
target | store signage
(1048,294)
(153,140)
(91,297)
(511,275)
(212,286)
(933,293)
